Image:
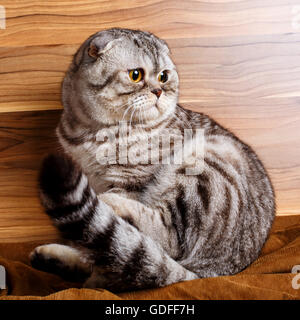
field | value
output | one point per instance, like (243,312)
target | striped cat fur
(145,224)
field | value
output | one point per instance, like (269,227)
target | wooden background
(238,61)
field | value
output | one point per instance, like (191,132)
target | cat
(147,224)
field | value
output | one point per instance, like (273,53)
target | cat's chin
(151,113)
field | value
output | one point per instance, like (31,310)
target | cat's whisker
(131,117)
(143,116)
(141,120)
(117,109)
(130,106)
(122,106)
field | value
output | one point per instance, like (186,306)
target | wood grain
(238,61)
(34,22)
(25,138)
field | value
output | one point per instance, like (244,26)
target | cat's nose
(157,92)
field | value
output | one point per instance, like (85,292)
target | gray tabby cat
(145,224)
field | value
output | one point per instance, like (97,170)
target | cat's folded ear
(93,47)
(100,43)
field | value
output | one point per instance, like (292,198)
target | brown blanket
(269,277)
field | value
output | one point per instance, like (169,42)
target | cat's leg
(62,260)
(154,222)
(126,258)
(129,258)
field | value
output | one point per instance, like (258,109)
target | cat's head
(121,75)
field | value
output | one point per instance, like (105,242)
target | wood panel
(25,138)
(34,22)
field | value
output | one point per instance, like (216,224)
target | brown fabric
(269,277)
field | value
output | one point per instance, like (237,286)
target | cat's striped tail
(129,258)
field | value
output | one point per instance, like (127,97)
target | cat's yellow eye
(136,75)
(163,76)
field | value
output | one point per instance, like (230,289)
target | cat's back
(231,201)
